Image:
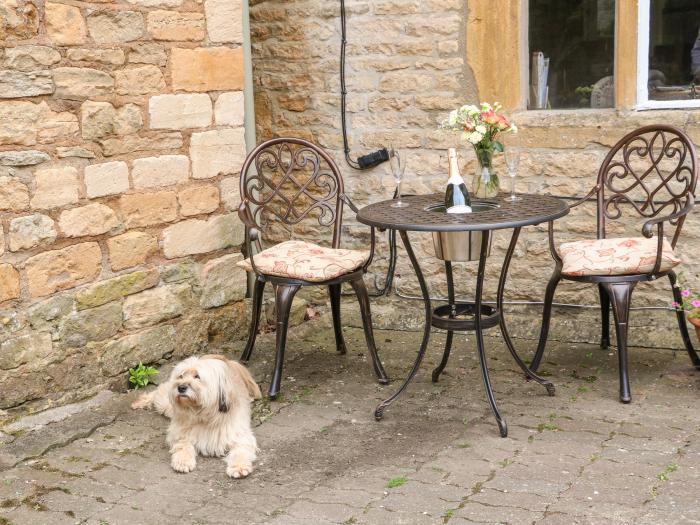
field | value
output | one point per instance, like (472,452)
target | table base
(445,317)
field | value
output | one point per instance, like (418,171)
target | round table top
(499,213)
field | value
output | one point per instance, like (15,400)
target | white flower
(513,128)
(485,106)
(452,120)
(481,129)
(475,137)
(469,109)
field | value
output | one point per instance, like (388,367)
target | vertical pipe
(248,102)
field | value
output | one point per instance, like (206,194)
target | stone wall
(406,68)
(121,136)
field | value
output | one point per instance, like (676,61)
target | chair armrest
(349,202)
(588,196)
(252,232)
(646,229)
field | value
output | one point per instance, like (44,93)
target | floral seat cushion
(621,256)
(306,261)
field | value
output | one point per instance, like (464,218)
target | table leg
(379,412)
(453,313)
(504,330)
(502,426)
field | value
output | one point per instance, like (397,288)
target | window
(572,54)
(668,54)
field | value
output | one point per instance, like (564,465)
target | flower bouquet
(479,125)
(690,303)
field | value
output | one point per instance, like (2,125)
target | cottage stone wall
(406,68)
(121,136)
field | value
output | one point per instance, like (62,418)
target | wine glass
(398,166)
(512,161)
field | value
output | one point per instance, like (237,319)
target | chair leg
(605,317)
(334,292)
(256,309)
(682,322)
(363,298)
(546,317)
(620,295)
(284,295)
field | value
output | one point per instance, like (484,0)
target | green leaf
(498,146)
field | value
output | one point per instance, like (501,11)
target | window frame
(643,102)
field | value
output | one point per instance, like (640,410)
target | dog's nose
(182,389)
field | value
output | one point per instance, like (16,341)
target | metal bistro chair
(650,171)
(295,180)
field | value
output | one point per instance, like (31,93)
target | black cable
(343,89)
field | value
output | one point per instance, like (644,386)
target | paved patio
(579,457)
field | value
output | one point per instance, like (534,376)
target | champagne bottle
(457,199)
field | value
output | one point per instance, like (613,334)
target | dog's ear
(223,397)
(248,381)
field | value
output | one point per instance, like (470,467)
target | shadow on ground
(579,457)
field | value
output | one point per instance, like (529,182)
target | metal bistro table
(424,214)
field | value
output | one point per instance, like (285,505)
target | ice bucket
(460,246)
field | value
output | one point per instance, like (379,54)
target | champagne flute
(398,166)
(512,161)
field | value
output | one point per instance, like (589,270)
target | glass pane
(674,50)
(577,37)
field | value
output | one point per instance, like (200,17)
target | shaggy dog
(208,402)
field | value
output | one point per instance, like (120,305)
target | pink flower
(695,303)
(685,293)
(674,304)
(490,117)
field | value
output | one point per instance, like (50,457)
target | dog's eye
(196,376)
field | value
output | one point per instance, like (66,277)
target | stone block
(24,349)
(229,109)
(94,324)
(148,53)
(157,3)
(113,27)
(222,281)
(9,283)
(207,69)
(55,187)
(230,193)
(17,84)
(224,20)
(130,249)
(133,144)
(198,200)
(93,219)
(166,170)
(116,288)
(177,272)
(14,195)
(65,24)
(46,315)
(219,152)
(101,119)
(112,57)
(77,152)
(140,80)
(30,231)
(108,178)
(25,123)
(78,83)
(57,270)
(147,346)
(147,209)
(175,25)
(31,57)
(151,307)
(28,157)
(297,314)
(180,111)
(202,236)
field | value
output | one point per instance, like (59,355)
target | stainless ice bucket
(460,246)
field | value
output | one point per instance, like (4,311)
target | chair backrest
(288,180)
(650,172)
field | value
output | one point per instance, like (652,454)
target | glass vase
(486,184)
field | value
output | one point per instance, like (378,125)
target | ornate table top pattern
(531,209)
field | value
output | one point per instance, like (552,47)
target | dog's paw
(144,401)
(239,470)
(183,463)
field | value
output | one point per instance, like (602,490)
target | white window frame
(643,102)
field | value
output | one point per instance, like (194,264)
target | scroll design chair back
(650,175)
(288,181)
